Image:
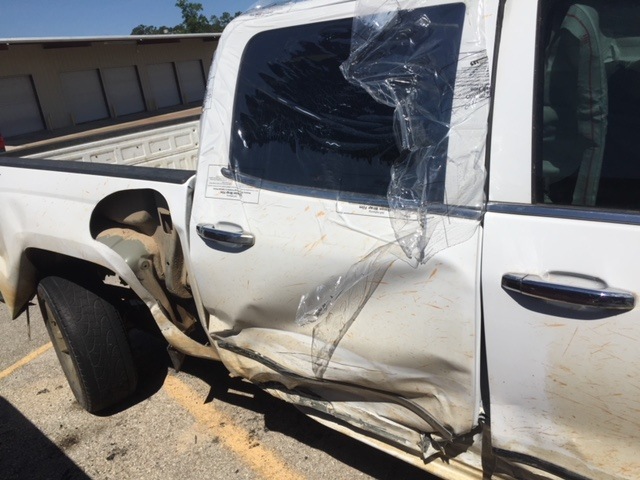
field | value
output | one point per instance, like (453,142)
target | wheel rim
(64,355)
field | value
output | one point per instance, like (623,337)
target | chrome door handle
(536,287)
(210,232)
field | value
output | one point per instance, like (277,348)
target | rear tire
(90,341)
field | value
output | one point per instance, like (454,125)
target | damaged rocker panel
(374,394)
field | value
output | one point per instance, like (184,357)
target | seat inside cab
(590,135)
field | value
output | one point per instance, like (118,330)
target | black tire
(90,341)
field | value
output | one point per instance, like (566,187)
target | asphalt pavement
(196,423)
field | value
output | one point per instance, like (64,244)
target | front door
(560,262)
(294,253)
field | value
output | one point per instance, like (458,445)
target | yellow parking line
(22,362)
(262,460)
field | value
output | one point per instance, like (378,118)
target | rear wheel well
(138,226)
(47,263)
(96,278)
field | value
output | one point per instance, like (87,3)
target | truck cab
(414,221)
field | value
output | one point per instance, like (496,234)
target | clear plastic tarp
(440,94)
(401,124)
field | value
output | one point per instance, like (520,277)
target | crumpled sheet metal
(399,56)
(335,305)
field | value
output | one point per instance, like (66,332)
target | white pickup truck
(415,220)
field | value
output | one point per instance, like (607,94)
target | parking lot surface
(196,423)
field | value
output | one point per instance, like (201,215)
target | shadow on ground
(284,418)
(153,363)
(26,453)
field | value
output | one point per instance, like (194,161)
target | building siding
(46,62)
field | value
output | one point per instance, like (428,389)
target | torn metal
(296,380)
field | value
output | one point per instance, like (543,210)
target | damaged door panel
(340,307)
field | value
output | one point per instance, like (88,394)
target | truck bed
(50,205)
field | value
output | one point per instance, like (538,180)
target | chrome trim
(536,287)
(570,213)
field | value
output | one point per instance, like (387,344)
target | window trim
(538,108)
(457,211)
(587,214)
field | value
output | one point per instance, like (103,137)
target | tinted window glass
(590,113)
(298,123)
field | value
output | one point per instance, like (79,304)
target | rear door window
(300,127)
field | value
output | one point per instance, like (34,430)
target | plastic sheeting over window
(401,55)
(298,124)
(418,76)
(402,60)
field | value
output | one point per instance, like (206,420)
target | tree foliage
(193,21)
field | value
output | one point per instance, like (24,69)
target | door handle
(239,238)
(534,286)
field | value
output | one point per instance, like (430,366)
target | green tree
(151,30)
(218,23)
(193,21)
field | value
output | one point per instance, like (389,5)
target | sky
(71,18)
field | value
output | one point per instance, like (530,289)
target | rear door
(562,231)
(291,221)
